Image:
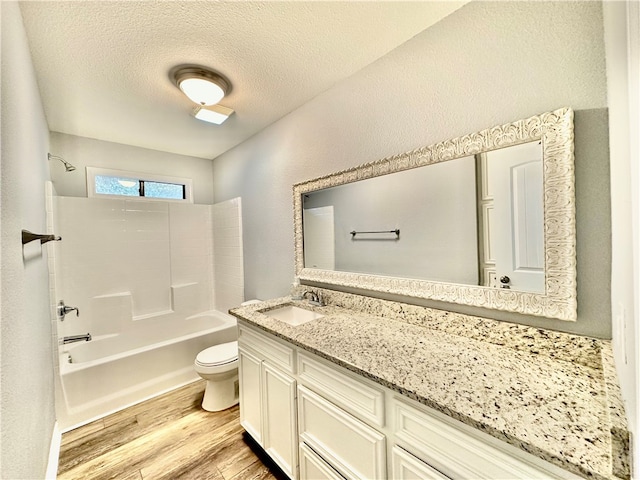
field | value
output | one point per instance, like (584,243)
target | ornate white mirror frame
(555,130)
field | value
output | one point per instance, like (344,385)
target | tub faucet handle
(63,309)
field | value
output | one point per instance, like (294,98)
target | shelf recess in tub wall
(451,374)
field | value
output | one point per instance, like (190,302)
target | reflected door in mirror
(514,225)
(319,251)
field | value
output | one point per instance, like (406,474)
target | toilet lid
(218,354)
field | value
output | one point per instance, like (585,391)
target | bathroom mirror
(487,219)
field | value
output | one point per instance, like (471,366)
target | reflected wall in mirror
(421,203)
(489,223)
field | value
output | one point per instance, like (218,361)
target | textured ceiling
(102,67)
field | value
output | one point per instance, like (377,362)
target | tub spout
(76,338)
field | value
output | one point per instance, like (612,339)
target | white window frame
(92,172)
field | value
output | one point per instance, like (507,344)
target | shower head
(67,166)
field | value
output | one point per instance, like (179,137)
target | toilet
(218,365)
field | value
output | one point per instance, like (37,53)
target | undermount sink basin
(293,315)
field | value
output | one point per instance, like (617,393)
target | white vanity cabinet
(314,416)
(312,466)
(407,467)
(340,416)
(348,445)
(447,448)
(268,396)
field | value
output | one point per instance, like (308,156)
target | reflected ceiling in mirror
(490,223)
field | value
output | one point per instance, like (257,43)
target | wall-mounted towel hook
(27,237)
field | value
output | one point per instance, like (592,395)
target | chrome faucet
(314,298)
(76,338)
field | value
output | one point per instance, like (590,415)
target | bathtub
(115,371)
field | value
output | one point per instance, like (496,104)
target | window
(120,183)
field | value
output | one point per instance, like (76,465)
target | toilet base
(220,394)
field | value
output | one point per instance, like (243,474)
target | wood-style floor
(168,437)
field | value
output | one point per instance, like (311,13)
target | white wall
(486,64)
(622,37)
(27,398)
(126,259)
(87,152)
(228,270)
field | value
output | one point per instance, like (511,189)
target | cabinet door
(350,446)
(312,467)
(279,419)
(250,394)
(408,467)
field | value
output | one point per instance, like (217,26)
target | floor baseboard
(54,453)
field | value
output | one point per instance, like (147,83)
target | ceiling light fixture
(201,85)
(215,114)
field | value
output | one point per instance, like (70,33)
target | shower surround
(136,266)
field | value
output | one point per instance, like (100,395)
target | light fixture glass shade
(201,90)
(215,114)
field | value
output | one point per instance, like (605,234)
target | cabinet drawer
(460,451)
(353,448)
(408,467)
(270,349)
(343,388)
(313,467)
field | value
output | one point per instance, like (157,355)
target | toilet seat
(218,355)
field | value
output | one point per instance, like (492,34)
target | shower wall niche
(122,261)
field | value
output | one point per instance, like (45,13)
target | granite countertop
(551,394)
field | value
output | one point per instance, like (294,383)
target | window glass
(163,190)
(106,185)
(121,183)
